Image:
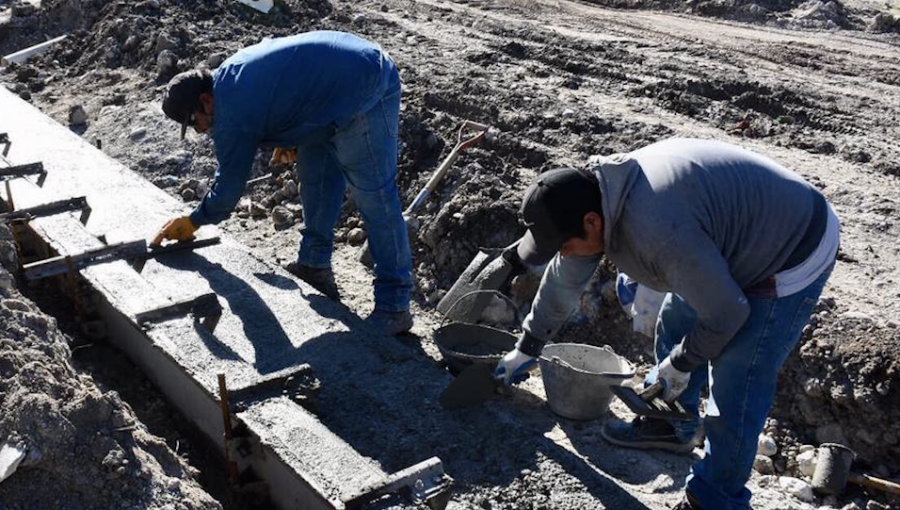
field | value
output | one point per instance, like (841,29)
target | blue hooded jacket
(279,92)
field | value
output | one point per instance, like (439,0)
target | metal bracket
(135,251)
(40,211)
(157,251)
(205,308)
(424,482)
(298,383)
(68,263)
(17,171)
(4,141)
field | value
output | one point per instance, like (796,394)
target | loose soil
(815,85)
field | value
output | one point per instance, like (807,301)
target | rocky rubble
(84,448)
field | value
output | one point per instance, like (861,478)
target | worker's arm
(235,151)
(557,297)
(697,272)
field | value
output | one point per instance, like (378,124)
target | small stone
(201,189)
(281,217)
(360,19)
(167,62)
(188,194)
(806,448)
(215,60)
(766,446)
(356,236)
(15,304)
(290,189)
(568,112)
(165,43)
(137,134)
(257,210)
(806,462)
(77,116)
(763,465)
(797,488)
(131,43)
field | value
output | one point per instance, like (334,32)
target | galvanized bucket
(577,379)
(462,344)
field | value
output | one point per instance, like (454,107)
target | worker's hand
(178,229)
(514,367)
(284,156)
(674,381)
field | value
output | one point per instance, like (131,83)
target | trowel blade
(652,408)
(472,386)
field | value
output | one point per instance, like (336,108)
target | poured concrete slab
(377,410)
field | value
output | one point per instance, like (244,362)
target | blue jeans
(363,155)
(742,381)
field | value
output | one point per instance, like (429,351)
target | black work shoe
(645,433)
(390,323)
(321,278)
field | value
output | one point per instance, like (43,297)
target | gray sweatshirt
(702,219)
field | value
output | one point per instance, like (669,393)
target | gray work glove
(674,381)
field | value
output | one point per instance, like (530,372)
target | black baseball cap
(553,210)
(182,97)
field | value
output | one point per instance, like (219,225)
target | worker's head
(563,213)
(189,100)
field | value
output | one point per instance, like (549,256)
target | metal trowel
(647,402)
(472,386)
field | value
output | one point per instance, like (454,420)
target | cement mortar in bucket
(577,379)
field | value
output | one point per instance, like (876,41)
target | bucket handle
(484,291)
(556,360)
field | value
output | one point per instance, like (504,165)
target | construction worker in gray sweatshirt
(743,248)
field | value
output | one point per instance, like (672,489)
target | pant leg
(367,152)
(322,187)
(742,390)
(676,319)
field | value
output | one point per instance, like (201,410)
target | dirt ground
(815,85)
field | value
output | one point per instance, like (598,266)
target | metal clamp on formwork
(17,171)
(43,210)
(424,482)
(4,141)
(205,308)
(134,251)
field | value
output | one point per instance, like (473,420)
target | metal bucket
(462,344)
(577,379)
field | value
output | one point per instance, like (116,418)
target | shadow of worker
(260,325)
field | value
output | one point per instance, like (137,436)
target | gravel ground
(812,84)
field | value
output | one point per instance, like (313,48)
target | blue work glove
(674,381)
(514,367)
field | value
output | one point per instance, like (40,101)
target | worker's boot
(390,323)
(322,278)
(646,433)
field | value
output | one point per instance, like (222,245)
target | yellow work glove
(284,156)
(178,229)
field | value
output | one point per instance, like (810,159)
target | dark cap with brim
(182,98)
(553,210)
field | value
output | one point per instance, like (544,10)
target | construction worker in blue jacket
(741,246)
(336,98)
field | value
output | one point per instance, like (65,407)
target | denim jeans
(363,155)
(742,381)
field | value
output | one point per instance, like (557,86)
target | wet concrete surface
(377,410)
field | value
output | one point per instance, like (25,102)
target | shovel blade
(472,386)
(485,272)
